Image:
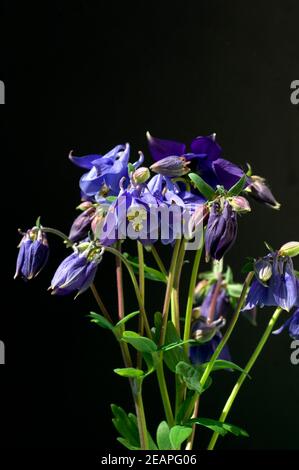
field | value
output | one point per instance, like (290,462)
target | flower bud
(33,253)
(239,204)
(263,270)
(289,249)
(81,225)
(84,205)
(141,175)
(171,166)
(259,190)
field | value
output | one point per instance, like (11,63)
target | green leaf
(129,372)
(126,318)
(229,276)
(151,443)
(238,187)
(221,364)
(149,273)
(175,355)
(191,376)
(125,425)
(126,444)
(37,222)
(204,188)
(218,426)
(163,440)
(234,290)
(140,343)
(178,434)
(101,321)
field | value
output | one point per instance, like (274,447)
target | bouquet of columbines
(188,199)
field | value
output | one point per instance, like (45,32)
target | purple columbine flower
(221,232)
(33,253)
(81,225)
(105,172)
(292,324)
(77,271)
(275,283)
(206,329)
(204,158)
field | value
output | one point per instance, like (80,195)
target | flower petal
(206,145)
(161,148)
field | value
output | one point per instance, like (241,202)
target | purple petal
(227,173)
(259,295)
(84,162)
(206,145)
(161,148)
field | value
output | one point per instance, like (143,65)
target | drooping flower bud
(289,249)
(259,190)
(221,229)
(81,225)
(77,271)
(239,204)
(141,175)
(171,166)
(263,270)
(33,253)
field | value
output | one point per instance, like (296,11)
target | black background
(87,76)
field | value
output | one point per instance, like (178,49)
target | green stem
(245,373)
(100,303)
(112,250)
(168,292)
(175,317)
(158,260)
(119,284)
(60,234)
(229,330)
(142,293)
(143,435)
(163,390)
(192,284)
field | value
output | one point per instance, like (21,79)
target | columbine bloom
(221,229)
(292,324)
(206,328)
(82,224)
(33,253)
(275,283)
(77,271)
(105,172)
(204,158)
